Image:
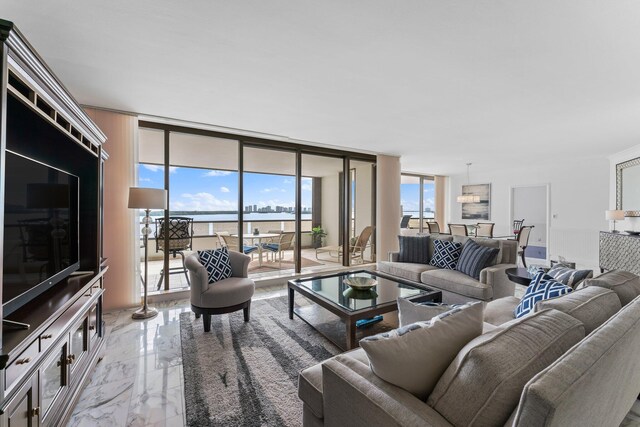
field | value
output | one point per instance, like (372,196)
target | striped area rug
(246,374)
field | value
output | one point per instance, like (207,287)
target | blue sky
(410,197)
(211,190)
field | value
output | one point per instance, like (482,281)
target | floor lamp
(147,199)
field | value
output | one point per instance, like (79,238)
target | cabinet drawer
(21,365)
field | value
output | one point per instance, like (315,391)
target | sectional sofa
(573,362)
(457,287)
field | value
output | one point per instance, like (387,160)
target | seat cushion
(592,306)
(414,249)
(500,311)
(227,293)
(482,386)
(446,254)
(626,285)
(406,270)
(459,283)
(415,356)
(474,258)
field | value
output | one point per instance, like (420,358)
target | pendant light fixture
(468,198)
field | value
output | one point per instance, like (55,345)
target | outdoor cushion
(482,386)
(446,254)
(626,285)
(474,258)
(406,270)
(415,356)
(414,249)
(592,306)
(459,283)
(569,276)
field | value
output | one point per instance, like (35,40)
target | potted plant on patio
(317,234)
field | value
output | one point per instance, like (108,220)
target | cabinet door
(93,324)
(53,380)
(78,344)
(23,410)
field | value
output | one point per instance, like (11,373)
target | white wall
(579,195)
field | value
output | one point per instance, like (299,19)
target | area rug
(246,374)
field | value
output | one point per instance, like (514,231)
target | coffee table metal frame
(351,317)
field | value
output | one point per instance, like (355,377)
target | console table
(619,251)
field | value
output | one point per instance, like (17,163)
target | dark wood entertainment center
(44,368)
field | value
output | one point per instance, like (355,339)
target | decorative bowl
(361,283)
(632,232)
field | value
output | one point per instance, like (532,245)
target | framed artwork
(480,210)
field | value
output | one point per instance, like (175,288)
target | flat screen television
(41,238)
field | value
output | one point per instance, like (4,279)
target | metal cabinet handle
(23,361)
(35,411)
(46,337)
(92,327)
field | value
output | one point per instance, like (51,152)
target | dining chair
(434,227)
(484,229)
(517,225)
(180,234)
(523,242)
(458,230)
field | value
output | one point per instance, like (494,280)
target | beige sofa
(457,287)
(512,373)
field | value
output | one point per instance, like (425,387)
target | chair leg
(160,280)
(206,321)
(184,267)
(523,260)
(197,315)
(247,311)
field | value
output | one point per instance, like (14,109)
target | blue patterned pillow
(445,254)
(542,287)
(474,258)
(217,264)
(414,249)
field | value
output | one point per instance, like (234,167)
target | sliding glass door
(417,201)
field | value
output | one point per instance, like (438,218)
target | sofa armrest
(496,277)
(394,256)
(355,397)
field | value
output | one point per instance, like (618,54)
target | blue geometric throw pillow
(542,287)
(217,264)
(445,254)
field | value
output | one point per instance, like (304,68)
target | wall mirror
(628,185)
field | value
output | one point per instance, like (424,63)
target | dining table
(259,237)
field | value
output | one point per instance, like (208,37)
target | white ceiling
(440,82)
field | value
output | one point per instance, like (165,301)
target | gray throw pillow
(410,312)
(414,249)
(569,276)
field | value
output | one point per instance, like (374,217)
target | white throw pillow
(410,312)
(414,357)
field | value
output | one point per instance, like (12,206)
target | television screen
(40,229)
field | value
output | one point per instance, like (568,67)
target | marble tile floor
(139,381)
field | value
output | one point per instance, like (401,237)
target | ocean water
(254,216)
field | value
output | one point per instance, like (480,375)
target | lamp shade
(147,198)
(614,215)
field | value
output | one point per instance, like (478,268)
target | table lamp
(614,216)
(147,199)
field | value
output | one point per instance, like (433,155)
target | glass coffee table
(331,298)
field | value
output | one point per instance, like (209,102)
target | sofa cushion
(474,258)
(482,386)
(414,249)
(542,287)
(484,242)
(569,276)
(456,282)
(592,306)
(217,264)
(446,254)
(500,311)
(415,356)
(626,285)
(406,270)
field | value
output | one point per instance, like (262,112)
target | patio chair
(180,231)
(221,241)
(404,222)
(458,230)
(484,229)
(278,245)
(356,250)
(523,242)
(233,243)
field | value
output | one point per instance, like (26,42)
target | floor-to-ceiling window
(417,199)
(291,208)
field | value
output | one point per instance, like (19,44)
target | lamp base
(144,313)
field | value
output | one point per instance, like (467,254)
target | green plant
(317,234)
